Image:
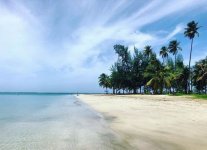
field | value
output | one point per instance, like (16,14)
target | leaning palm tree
(174,47)
(191,31)
(148,51)
(161,79)
(164,53)
(202,75)
(104,81)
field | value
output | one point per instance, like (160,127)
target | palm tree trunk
(186,88)
(175,62)
(161,90)
(134,91)
(175,85)
(190,80)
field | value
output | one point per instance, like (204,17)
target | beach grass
(194,96)
(199,96)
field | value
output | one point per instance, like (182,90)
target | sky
(63,46)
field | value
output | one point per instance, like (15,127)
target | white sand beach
(154,122)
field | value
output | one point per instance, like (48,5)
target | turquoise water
(52,122)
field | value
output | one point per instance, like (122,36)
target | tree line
(142,71)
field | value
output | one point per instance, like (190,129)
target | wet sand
(154,122)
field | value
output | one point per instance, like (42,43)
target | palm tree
(148,51)
(104,81)
(191,31)
(182,78)
(160,78)
(199,76)
(164,53)
(202,65)
(174,48)
(203,73)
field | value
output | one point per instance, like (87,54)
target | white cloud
(179,29)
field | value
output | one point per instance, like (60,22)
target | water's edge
(117,137)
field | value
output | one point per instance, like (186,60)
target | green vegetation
(194,96)
(142,72)
(104,81)
(200,96)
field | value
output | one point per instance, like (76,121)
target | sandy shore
(154,122)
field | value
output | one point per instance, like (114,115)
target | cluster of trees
(142,71)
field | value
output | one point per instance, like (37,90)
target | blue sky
(63,46)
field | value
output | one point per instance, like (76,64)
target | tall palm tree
(164,53)
(148,51)
(174,47)
(104,81)
(191,31)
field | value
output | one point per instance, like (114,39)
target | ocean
(52,122)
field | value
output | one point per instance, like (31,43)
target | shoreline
(154,121)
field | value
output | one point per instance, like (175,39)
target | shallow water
(53,122)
